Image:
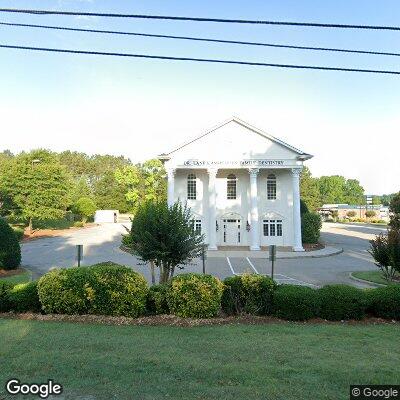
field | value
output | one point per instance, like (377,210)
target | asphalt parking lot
(101,243)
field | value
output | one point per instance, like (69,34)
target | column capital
(212,172)
(171,172)
(296,172)
(254,172)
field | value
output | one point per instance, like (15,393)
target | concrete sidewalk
(325,252)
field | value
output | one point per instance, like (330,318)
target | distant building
(328,211)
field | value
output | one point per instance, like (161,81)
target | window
(231,187)
(271,187)
(191,187)
(272,227)
(196,224)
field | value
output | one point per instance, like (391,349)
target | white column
(254,229)
(171,186)
(212,214)
(297,245)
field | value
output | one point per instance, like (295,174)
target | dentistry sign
(234,163)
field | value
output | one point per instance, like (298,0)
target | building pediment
(235,144)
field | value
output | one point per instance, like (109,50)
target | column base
(255,248)
(298,248)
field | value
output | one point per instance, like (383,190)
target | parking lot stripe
(230,265)
(251,265)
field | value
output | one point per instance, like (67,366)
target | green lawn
(20,278)
(371,276)
(275,361)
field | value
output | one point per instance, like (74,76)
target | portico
(241,184)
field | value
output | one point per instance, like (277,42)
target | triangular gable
(302,155)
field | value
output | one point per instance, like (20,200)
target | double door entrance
(231,231)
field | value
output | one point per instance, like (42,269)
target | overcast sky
(140,108)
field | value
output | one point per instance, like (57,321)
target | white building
(241,184)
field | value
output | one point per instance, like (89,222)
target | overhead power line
(224,41)
(203,60)
(200,19)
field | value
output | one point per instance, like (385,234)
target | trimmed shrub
(384,302)
(117,290)
(19,233)
(105,289)
(5,288)
(24,297)
(10,250)
(342,302)
(248,293)
(296,303)
(311,225)
(195,296)
(157,299)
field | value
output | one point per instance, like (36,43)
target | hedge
(310,227)
(157,300)
(104,289)
(195,296)
(296,303)
(24,297)
(341,302)
(10,250)
(384,302)
(4,296)
(249,293)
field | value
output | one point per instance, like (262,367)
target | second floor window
(231,187)
(271,187)
(191,187)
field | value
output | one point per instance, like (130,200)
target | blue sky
(140,108)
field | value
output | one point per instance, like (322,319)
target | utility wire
(204,60)
(200,19)
(65,28)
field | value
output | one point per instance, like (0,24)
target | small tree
(386,252)
(394,209)
(370,213)
(351,214)
(165,236)
(85,207)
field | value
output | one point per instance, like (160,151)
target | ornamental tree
(164,235)
(37,185)
(85,207)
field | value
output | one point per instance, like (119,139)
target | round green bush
(296,303)
(10,250)
(5,288)
(342,302)
(249,293)
(157,300)
(103,289)
(19,233)
(384,302)
(195,296)
(24,297)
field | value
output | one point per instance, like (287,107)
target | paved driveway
(101,243)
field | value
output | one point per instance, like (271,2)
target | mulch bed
(313,246)
(45,233)
(171,320)
(4,273)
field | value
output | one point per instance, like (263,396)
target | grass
(24,277)
(275,361)
(372,276)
